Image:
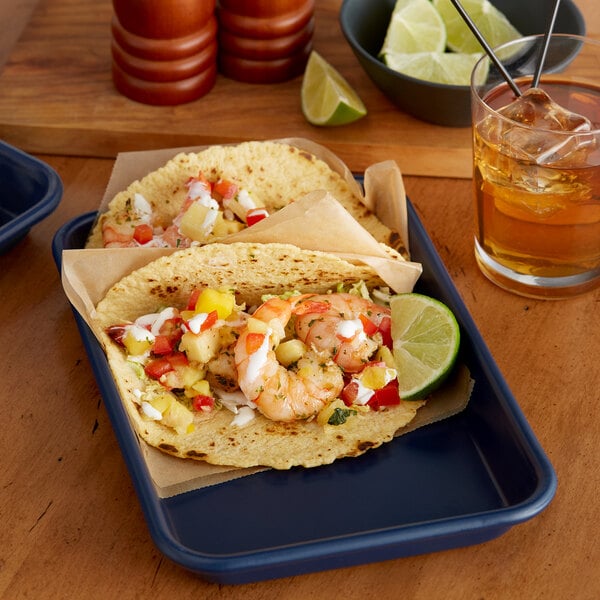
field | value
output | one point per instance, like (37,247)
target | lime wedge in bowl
(326,97)
(426,339)
(415,26)
(494,26)
(449,68)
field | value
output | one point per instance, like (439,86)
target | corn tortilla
(275,173)
(252,270)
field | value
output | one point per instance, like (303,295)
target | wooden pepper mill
(164,52)
(264,41)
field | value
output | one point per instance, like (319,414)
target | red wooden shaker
(264,41)
(164,52)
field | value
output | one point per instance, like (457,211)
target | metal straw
(467,19)
(544,50)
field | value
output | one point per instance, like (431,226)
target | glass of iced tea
(536,174)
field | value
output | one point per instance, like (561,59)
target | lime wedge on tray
(438,67)
(415,26)
(327,98)
(426,339)
(494,26)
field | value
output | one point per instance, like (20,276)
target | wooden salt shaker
(264,41)
(164,52)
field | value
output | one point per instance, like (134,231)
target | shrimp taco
(199,198)
(254,355)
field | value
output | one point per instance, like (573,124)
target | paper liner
(316,222)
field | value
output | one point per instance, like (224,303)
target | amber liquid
(540,221)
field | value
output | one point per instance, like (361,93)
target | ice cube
(536,142)
(536,109)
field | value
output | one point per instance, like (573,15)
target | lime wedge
(426,338)
(415,26)
(494,26)
(439,67)
(327,98)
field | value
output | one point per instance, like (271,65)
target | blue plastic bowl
(29,191)
(364,24)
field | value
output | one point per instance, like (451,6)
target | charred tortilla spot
(364,446)
(306,155)
(194,454)
(168,448)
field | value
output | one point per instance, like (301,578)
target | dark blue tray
(461,481)
(29,191)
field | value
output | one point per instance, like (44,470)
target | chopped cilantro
(340,415)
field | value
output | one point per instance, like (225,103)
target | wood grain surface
(57,96)
(65,51)
(72,527)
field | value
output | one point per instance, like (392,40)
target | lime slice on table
(327,98)
(426,338)
(494,26)
(438,67)
(415,26)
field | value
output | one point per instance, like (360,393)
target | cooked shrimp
(221,372)
(283,394)
(119,229)
(335,323)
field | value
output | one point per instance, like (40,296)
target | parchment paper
(316,221)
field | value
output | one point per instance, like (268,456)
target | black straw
(467,19)
(544,51)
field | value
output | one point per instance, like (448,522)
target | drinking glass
(536,167)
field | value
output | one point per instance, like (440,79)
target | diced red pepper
(254,215)
(385,328)
(254,341)
(169,335)
(211,318)
(204,403)
(349,393)
(117,333)
(369,327)
(191,305)
(163,344)
(386,396)
(171,327)
(143,233)
(178,359)
(226,189)
(158,367)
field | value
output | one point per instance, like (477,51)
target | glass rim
(529,38)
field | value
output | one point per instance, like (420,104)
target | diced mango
(290,351)
(223,301)
(374,377)
(179,417)
(197,222)
(190,374)
(200,347)
(225,227)
(385,355)
(256,326)
(201,387)
(161,402)
(134,345)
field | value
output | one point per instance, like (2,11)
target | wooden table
(71,523)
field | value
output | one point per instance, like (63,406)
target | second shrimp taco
(202,197)
(254,355)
